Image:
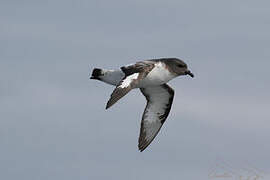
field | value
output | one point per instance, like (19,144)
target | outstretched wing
(133,75)
(159,102)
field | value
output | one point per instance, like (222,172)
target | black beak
(189,73)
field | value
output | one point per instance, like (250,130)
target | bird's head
(180,68)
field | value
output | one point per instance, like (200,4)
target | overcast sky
(53,122)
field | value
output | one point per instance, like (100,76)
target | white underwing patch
(128,80)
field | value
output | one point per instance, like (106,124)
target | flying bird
(151,77)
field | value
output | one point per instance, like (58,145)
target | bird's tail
(96,73)
(112,77)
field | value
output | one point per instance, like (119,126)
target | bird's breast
(159,75)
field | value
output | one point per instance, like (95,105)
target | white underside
(159,75)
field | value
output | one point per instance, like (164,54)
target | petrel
(151,77)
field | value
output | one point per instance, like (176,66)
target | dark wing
(159,102)
(133,75)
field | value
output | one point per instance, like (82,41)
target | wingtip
(108,105)
(141,148)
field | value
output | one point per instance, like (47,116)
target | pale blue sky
(53,122)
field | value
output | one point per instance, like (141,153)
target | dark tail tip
(96,73)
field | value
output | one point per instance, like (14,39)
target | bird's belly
(157,76)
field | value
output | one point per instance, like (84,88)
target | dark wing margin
(126,84)
(142,66)
(133,75)
(159,103)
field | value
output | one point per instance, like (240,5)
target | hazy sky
(53,122)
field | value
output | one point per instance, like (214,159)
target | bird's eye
(180,65)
